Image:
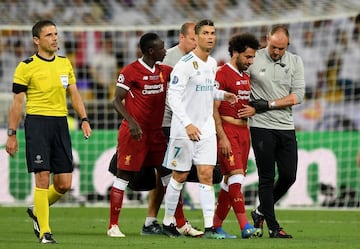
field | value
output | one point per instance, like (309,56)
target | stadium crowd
(330,48)
(145,12)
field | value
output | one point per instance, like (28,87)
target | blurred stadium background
(100,37)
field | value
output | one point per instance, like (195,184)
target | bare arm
(283,102)
(79,107)
(224,143)
(15,114)
(262,105)
(135,129)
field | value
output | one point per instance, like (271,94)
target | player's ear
(36,40)
(150,50)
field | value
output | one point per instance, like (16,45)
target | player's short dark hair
(204,22)
(240,42)
(39,25)
(147,41)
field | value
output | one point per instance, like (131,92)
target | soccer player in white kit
(191,96)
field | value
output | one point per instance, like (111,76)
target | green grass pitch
(85,228)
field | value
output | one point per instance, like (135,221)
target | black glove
(260,105)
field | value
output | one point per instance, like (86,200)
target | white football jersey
(191,95)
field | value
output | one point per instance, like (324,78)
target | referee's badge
(64,80)
(195,64)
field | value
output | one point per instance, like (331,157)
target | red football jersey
(231,80)
(145,100)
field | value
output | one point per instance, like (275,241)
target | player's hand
(11,145)
(260,105)
(225,147)
(193,132)
(246,112)
(86,129)
(135,130)
(230,97)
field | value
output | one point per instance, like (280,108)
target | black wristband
(84,120)
(260,105)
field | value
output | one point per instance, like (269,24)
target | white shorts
(181,154)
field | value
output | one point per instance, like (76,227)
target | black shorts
(48,144)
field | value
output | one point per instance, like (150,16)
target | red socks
(237,202)
(222,208)
(116,200)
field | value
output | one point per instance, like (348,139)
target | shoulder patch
(28,60)
(187,57)
(175,80)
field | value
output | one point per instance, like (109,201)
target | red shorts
(239,137)
(133,154)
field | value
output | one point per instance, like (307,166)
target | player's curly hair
(240,42)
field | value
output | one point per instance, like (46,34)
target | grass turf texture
(85,228)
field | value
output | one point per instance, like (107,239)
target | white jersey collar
(151,69)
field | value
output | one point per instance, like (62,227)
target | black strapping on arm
(18,88)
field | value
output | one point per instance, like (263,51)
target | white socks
(171,200)
(207,202)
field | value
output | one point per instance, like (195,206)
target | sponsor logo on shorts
(38,159)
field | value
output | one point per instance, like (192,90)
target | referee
(44,79)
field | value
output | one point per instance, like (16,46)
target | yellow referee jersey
(46,81)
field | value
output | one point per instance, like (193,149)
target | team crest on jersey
(262,71)
(195,64)
(121,78)
(175,80)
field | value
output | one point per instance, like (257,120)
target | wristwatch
(84,120)
(272,104)
(11,132)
